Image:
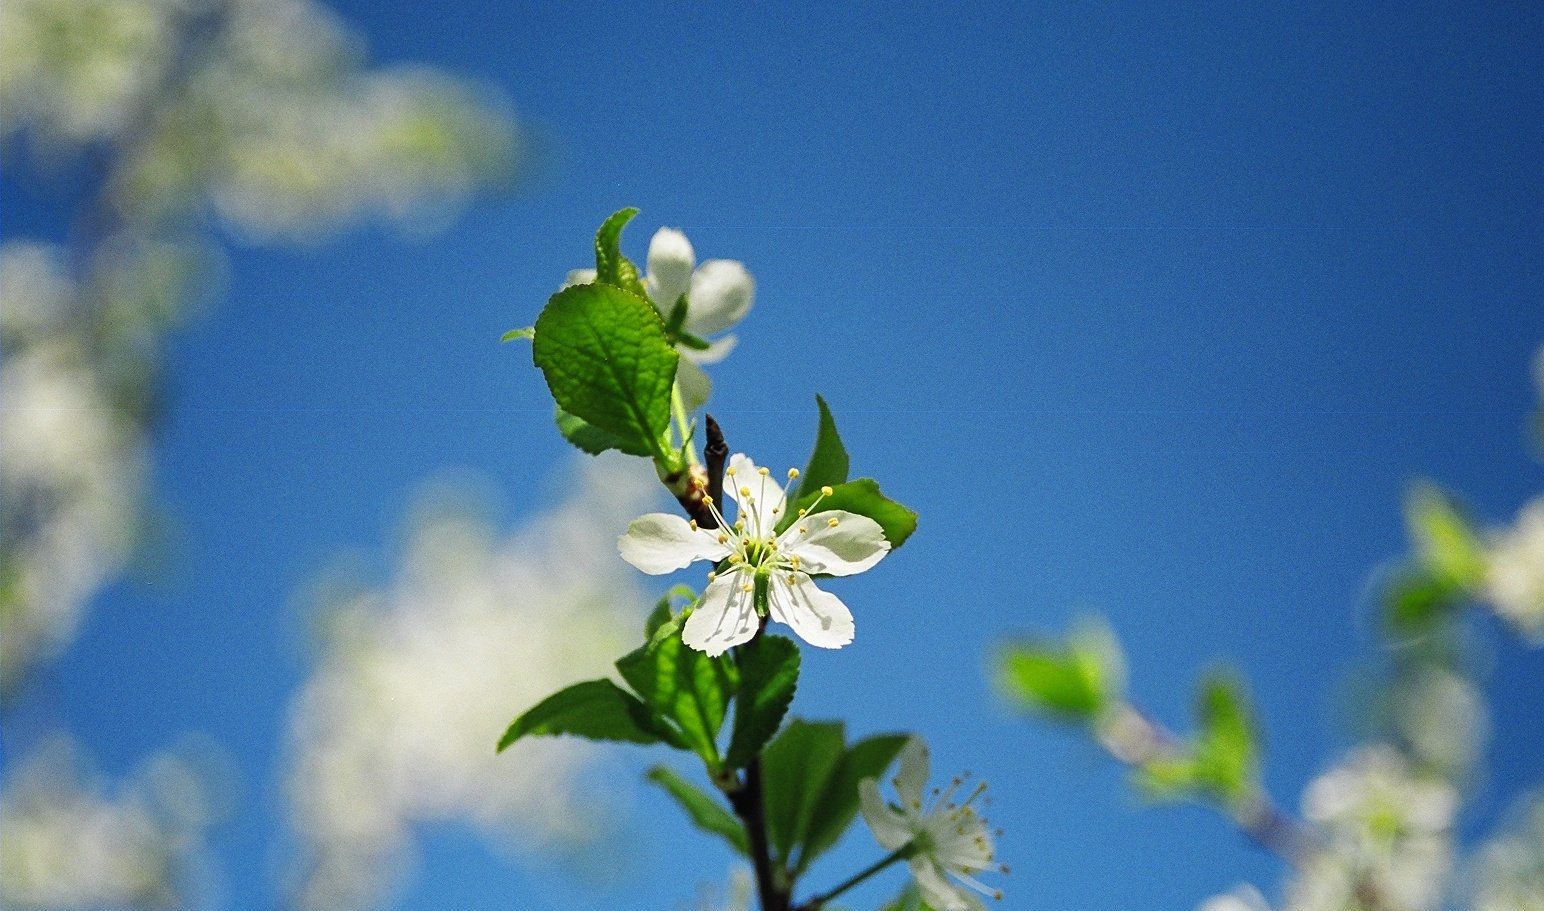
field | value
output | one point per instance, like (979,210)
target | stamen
(763,472)
(826,491)
(793,473)
(831,523)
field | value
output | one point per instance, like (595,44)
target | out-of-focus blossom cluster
(1514,581)
(1508,873)
(259,111)
(415,683)
(68,844)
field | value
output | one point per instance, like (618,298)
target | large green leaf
(706,812)
(834,812)
(607,362)
(611,267)
(828,462)
(863,497)
(596,709)
(796,769)
(769,674)
(683,685)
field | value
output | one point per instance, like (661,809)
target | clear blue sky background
(1149,309)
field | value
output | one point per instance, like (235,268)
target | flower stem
(901,853)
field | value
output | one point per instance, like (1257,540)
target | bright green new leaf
(828,463)
(796,768)
(834,812)
(607,362)
(864,498)
(595,709)
(707,813)
(1073,681)
(529,332)
(611,267)
(1447,543)
(1226,750)
(1168,777)
(769,674)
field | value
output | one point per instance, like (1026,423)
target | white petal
(835,542)
(670,267)
(579,277)
(820,618)
(912,777)
(936,890)
(766,502)
(695,385)
(725,618)
(659,543)
(715,352)
(722,292)
(888,826)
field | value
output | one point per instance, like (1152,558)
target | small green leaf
(864,498)
(1073,681)
(828,462)
(1226,752)
(1445,540)
(607,362)
(834,812)
(1167,777)
(529,332)
(769,674)
(594,709)
(611,267)
(1416,598)
(706,812)
(796,769)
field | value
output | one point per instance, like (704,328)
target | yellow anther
(793,473)
(693,524)
(803,513)
(729,471)
(707,498)
(826,491)
(745,491)
(763,472)
(745,586)
(712,575)
(831,523)
(723,538)
(734,558)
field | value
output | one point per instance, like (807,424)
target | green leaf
(529,332)
(1447,543)
(595,709)
(834,812)
(683,685)
(828,463)
(864,498)
(1167,777)
(1416,599)
(664,612)
(1073,681)
(706,812)
(592,439)
(796,769)
(909,900)
(1226,752)
(611,267)
(607,362)
(769,674)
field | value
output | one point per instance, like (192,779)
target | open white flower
(718,295)
(944,838)
(1514,583)
(766,571)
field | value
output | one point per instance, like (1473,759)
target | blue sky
(1147,309)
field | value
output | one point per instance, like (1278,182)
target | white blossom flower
(944,838)
(1514,581)
(766,571)
(1242,898)
(718,295)
(1508,872)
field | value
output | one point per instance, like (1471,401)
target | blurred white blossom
(1514,581)
(416,682)
(69,845)
(1508,873)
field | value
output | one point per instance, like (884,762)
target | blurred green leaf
(834,812)
(769,674)
(1445,540)
(607,362)
(1416,599)
(1227,749)
(706,812)
(1073,680)
(828,462)
(594,709)
(796,769)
